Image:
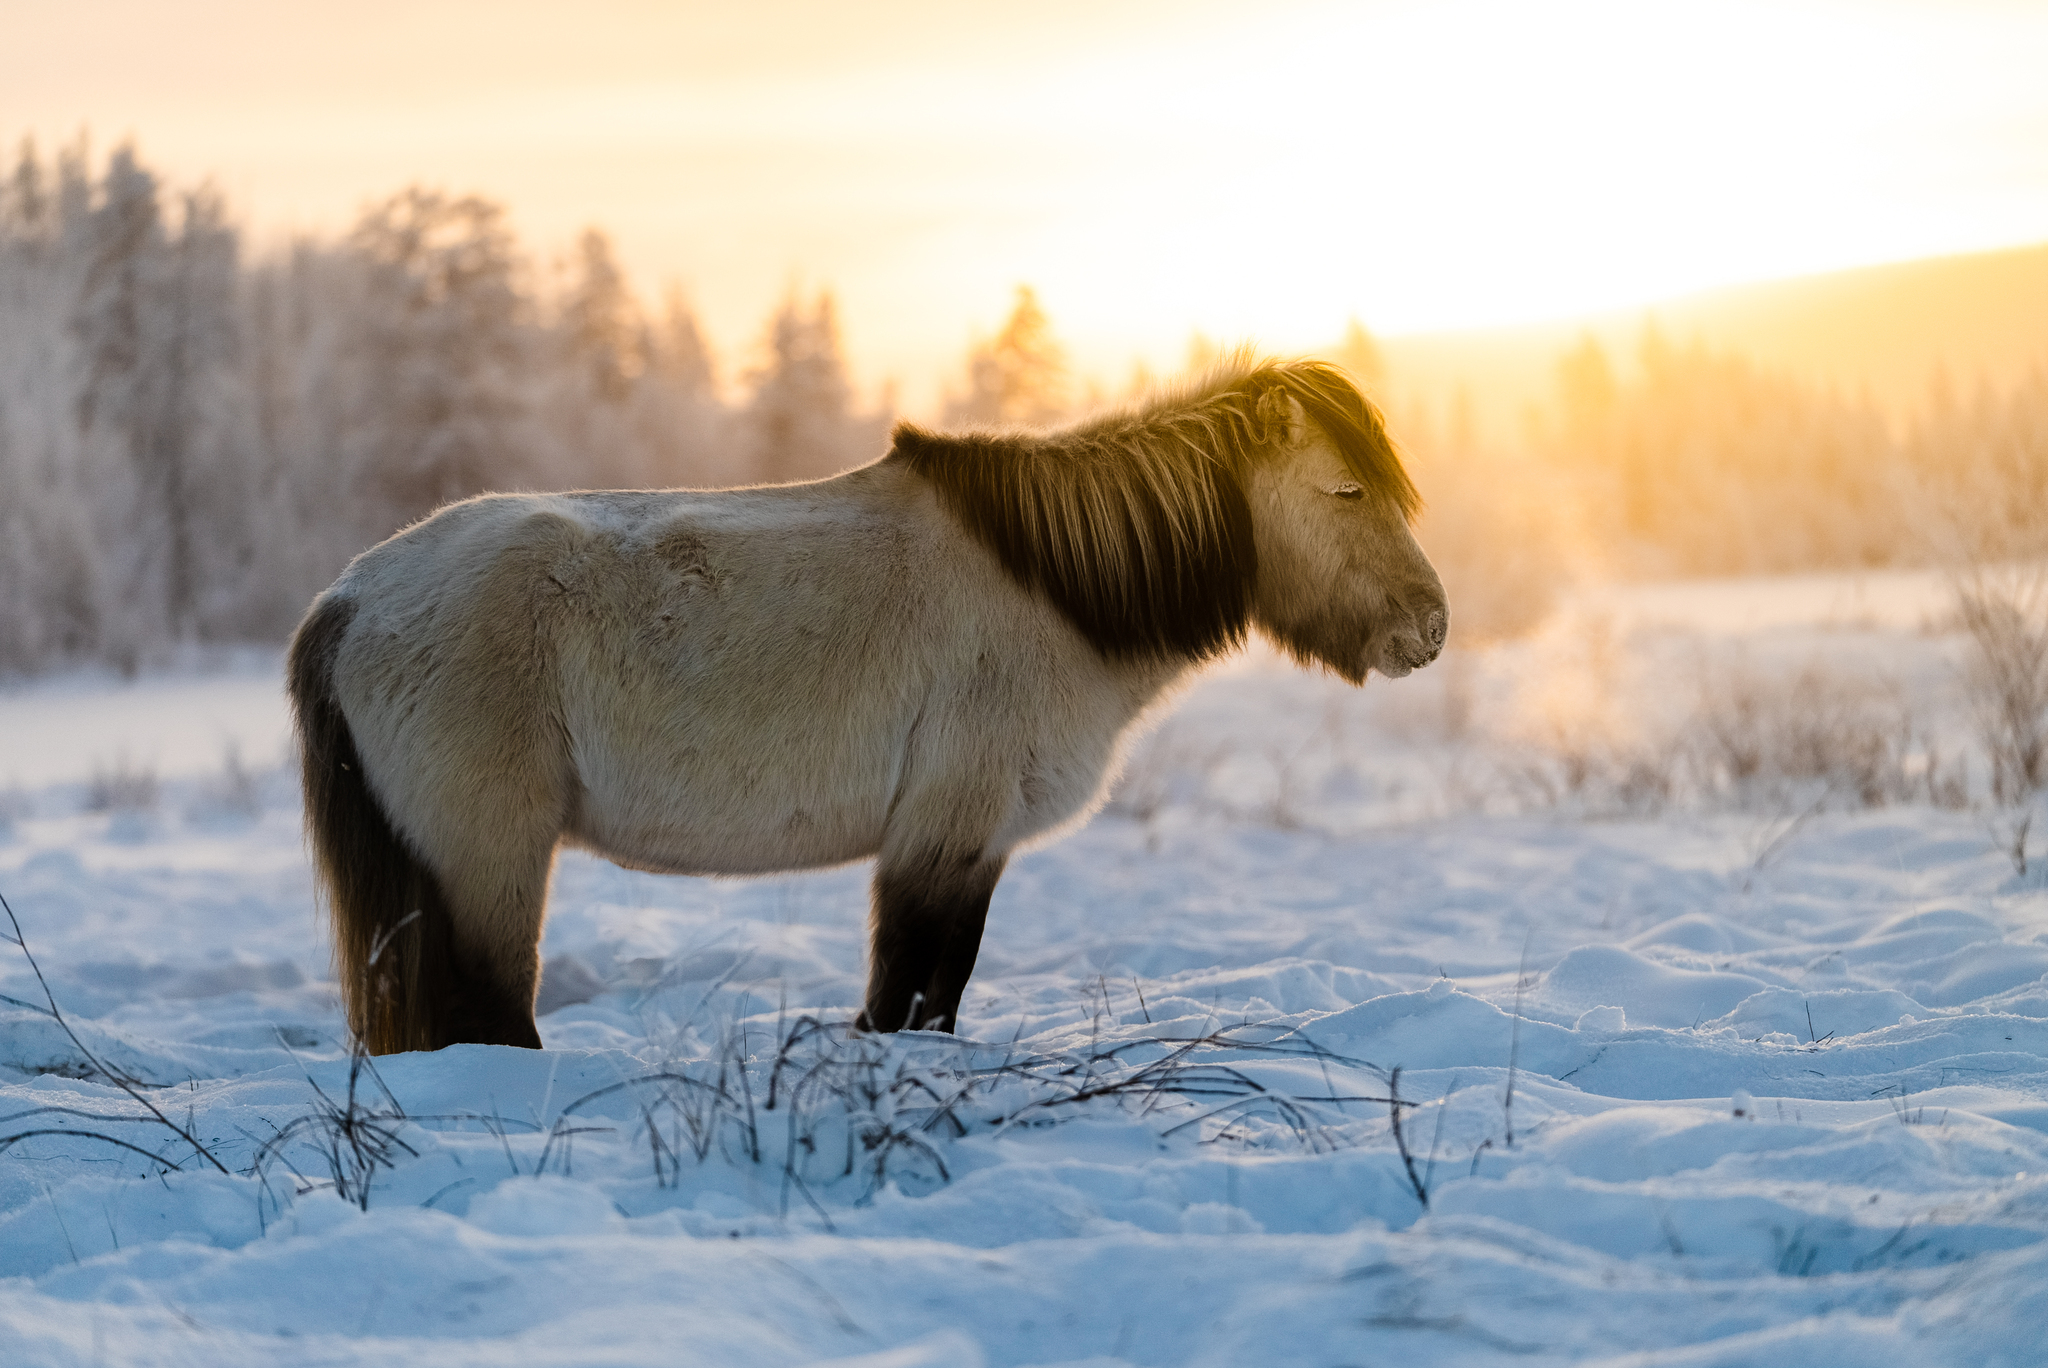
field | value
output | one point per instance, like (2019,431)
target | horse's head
(1341,581)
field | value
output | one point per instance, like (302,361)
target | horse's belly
(679,827)
(790,842)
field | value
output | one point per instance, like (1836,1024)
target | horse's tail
(392,928)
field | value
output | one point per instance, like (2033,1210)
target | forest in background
(193,441)
(1685,461)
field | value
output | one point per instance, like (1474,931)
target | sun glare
(1478,164)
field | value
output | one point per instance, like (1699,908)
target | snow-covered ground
(1736,1074)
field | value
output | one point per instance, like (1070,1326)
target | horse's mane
(1135,523)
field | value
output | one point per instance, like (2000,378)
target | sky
(1154,168)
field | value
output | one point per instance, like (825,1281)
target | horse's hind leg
(928,919)
(495,907)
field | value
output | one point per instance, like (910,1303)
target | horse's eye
(1348,491)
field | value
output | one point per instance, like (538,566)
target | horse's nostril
(1435,627)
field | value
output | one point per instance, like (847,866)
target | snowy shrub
(233,791)
(829,1106)
(1761,736)
(824,1106)
(2006,675)
(1602,722)
(1577,734)
(124,786)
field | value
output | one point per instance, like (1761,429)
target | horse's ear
(1283,417)
(911,442)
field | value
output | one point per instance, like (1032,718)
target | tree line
(193,443)
(1705,463)
(1693,462)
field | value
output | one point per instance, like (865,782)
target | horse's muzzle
(1415,646)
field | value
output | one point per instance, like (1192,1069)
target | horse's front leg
(926,930)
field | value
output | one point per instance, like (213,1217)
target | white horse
(933,659)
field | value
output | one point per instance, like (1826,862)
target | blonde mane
(1136,523)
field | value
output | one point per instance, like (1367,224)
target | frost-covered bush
(124,786)
(2006,675)
(1759,735)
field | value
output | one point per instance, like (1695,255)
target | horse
(931,660)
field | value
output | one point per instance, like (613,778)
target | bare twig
(1515,1037)
(352,1136)
(124,1082)
(1443,1108)
(1394,1105)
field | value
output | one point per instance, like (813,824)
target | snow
(177,724)
(1693,1082)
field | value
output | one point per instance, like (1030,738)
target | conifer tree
(155,321)
(1017,377)
(680,354)
(601,326)
(442,347)
(800,423)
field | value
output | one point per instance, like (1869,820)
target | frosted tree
(630,403)
(686,428)
(1586,391)
(287,464)
(800,423)
(441,350)
(1706,463)
(120,401)
(594,367)
(1979,469)
(49,582)
(601,328)
(198,343)
(27,207)
(1017,377)
(116,327)
(155,324)
(680,355)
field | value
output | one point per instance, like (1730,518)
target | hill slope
(1982,317)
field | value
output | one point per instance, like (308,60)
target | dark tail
(392,940)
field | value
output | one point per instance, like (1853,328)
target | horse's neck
(1153,685)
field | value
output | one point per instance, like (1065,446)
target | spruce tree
(1018,377)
